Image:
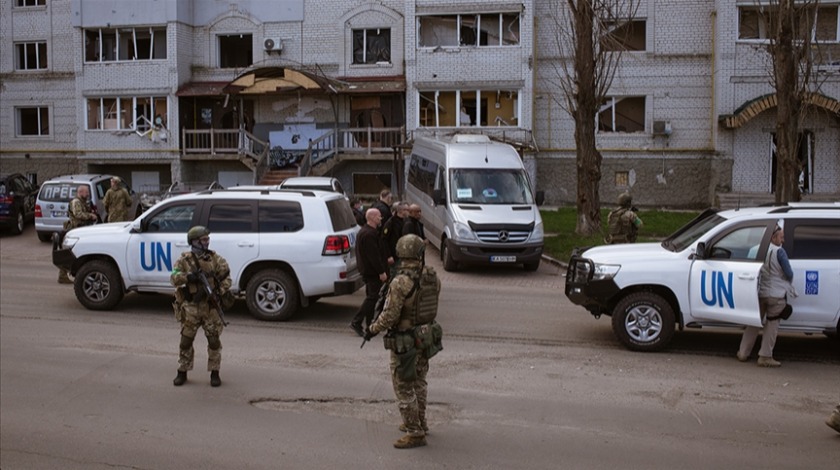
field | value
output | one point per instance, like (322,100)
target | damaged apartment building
(253,91)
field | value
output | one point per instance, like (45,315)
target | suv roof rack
(239,189)
(799,206)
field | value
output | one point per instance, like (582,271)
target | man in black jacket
(392,230)
(413,224)
(383,205)
(372,258)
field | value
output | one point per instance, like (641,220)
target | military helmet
(410,247)
(197,232)
(625,199)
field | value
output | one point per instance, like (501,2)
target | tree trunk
(588,157)
(788,107)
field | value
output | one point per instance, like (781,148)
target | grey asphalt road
(526,380)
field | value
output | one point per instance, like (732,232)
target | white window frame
(489,94)
(30,3)
(365,45)
(38,60)
(122,102)
(18,121)
(761,6)
(477,16)
(117,32)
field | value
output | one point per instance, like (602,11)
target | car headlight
(605,272)
(538,233)
(463,232)
(69,242)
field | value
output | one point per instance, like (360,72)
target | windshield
(690,232)
(492,186)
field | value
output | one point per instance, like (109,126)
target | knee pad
(186,342)
(214,343)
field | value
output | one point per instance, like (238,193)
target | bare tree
(794,50)
(590,37)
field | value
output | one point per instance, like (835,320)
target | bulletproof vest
(421,307)
(619,231)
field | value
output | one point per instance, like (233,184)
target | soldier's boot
(833,421)
(63,277)
(215,380)
(408,442)
(180,378)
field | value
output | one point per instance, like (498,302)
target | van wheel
(643,321)
(532,266)
(272,295)
(449,264)
(98,285)
(45,236)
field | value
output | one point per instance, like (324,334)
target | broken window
(236,51)
(622,114)
(486,29)
(816,23)
(136,113)
(106,44)
(371,46)
(33,121)
(469,108)
(31,56)
(628,35)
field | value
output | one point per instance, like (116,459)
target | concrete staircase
(734,200)
(273,177)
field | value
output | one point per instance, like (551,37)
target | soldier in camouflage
(117,201)
(80,213)
(623,222)
(192,304)
(408,316)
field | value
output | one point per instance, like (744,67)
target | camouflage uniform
(192,307)
(117,202)
(623,223)
(398,317)
(80,213)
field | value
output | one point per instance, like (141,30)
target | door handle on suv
(746,276)
(245,244)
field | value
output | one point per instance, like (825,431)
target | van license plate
(59,214)
(503,259)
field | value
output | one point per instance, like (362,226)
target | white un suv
(706,274)
(285,248)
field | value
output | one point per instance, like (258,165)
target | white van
(477,202)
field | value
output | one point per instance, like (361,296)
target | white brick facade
(693,71)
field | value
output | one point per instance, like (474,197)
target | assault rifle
(377,310)
(212,295)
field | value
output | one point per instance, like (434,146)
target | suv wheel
(272,295)
(17,229)
(98,285)
(643,321)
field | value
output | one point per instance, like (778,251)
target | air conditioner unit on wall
(661,127)
(273,44)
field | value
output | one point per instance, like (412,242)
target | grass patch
(561,238)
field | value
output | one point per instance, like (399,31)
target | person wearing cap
(117,201)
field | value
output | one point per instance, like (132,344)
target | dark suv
(17,201)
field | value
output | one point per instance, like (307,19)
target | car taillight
(38,212)
(7,200)
(336,245)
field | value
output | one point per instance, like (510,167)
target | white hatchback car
(285,248)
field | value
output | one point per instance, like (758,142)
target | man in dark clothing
(358,212)
(413,224)
(383,205)
(372,258)
(392,230)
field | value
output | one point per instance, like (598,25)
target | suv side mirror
(540,198)
(700,251)
(438,197)
(137,226)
